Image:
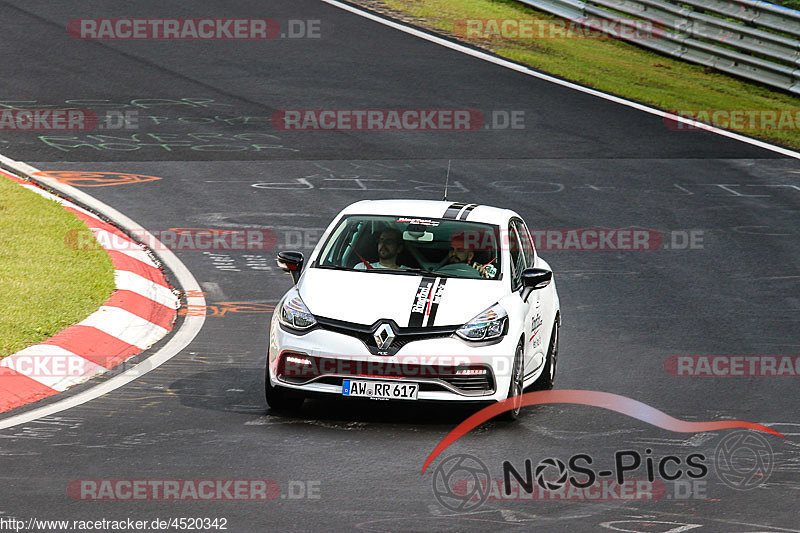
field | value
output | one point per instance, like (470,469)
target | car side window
(517,257)
(526,241)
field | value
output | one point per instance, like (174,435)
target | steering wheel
(459,268)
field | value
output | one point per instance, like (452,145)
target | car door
(522,257)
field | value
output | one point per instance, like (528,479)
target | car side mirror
(291,262)
(534,279)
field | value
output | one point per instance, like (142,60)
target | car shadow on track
(241,390)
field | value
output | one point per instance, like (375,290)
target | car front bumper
(446,368)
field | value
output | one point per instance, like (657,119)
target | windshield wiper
(403,271)
(331,267)
(426,272)
(411,269)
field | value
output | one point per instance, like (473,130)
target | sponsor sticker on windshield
(423,221)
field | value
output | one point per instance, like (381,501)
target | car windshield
(413,246)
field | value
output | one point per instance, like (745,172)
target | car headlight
(491,324)
(294,313)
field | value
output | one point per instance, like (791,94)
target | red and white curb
(139,313)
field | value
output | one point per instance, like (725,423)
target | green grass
(611,65)
(792,4)
(44,285)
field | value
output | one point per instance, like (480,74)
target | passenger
(390,245)
(460,253)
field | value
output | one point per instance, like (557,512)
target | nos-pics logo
(461,470)
(743,461)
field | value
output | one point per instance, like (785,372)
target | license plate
(380,390)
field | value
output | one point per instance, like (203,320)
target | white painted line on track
(568,84)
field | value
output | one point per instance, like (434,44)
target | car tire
(516,387)
(280,399)
(548,377)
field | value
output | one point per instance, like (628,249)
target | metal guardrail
(747,38)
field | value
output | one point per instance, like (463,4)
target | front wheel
(516,386)
(279,399)
(548,377)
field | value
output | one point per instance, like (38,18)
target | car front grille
(332,370)
(431,385)
(403,336)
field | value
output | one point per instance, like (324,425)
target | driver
(390,244)
(461,253)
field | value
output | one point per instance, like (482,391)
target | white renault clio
(415,300)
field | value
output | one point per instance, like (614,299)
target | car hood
(366,297)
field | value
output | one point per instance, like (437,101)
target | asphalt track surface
(579,162)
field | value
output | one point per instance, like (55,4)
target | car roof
(471,212)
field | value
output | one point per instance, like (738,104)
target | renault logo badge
(383,336)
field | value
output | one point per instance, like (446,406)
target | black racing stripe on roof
(467,211)
(453,210)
